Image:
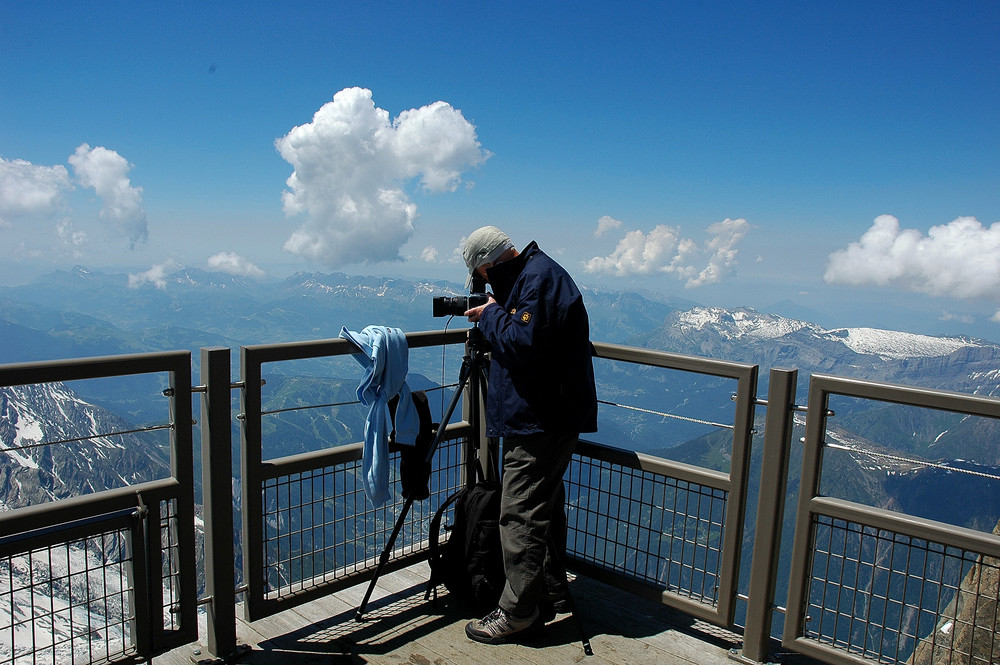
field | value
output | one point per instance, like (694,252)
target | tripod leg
(569,597)
(383,559)
(387,550)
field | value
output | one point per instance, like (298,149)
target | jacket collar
(503,276)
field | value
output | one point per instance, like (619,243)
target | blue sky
(843,156)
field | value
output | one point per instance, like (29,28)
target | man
(541,396)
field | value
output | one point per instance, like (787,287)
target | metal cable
(900,458)
(667,415)
(321,406)
(150,428)
(308,406)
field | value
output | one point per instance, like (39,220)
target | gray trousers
(532,517)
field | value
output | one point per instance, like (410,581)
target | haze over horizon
(841,158)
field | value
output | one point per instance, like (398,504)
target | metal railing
(668,530)
(308,527)
(865,584)
(107,576)
(875,585)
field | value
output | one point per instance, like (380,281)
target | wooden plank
(401,627)
(640,621)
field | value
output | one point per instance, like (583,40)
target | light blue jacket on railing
(385,357)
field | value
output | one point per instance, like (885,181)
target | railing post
(770,512)
(217,485)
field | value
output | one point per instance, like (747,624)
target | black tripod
(473,364)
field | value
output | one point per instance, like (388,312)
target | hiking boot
(498,626)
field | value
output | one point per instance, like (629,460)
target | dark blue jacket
(541,376)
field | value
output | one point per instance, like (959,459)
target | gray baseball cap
(484,245)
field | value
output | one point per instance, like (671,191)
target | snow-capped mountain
(744,334)
(748,324)
(54,444)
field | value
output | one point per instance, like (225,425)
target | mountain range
(925,463)
(57,445)
(81,312)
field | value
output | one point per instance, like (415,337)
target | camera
(459,305)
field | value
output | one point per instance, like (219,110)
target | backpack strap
(414,467)
(434,557)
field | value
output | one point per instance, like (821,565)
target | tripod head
(474,361)
(477,343)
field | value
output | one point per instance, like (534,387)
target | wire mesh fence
(646,526)
(69,602)
(882,596)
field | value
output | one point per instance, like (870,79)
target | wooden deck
(400,627)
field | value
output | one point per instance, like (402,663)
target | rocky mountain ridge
(54,445)
(743,334)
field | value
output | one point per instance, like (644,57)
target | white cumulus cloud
(429,254)
(28,189)
(157,275)
(960,259)
(605,224)
(664,251)
(70,235)
(234,264)
(722,251)
(107,173)
(351,164)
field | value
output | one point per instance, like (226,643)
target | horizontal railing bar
(910,525)
(264,353)
(310,461)
(74,508)
(64,532)
(663,467)
(721,368)
(48,371)
(932,398)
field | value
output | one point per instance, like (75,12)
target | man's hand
(476,312)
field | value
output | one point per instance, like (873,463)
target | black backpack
(470,563)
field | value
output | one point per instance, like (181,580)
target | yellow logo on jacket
(524,317)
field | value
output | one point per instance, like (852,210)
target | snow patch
(44,617)
(739,323)
(749,324)
(895,344)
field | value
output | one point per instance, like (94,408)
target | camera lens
(449,306)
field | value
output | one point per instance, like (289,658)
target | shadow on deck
(401,627)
